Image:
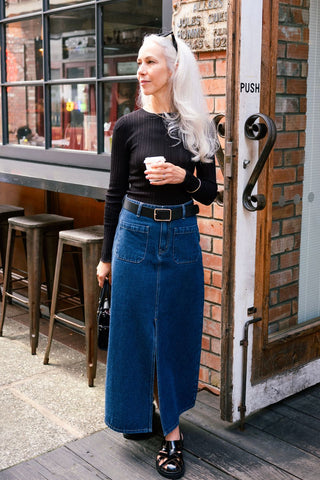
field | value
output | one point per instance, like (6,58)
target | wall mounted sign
(202,25)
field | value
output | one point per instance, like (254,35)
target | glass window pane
(73,44)
(74,123)
(119,99)
(125,24)
(24,50)
(25,116)
(19,7)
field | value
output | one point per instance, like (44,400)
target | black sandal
(169,461)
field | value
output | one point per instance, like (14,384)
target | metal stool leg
(34,262)
(54,300)
(7,274)
(90,254)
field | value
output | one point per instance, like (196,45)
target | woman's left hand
(165,173)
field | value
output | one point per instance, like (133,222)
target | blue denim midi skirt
(156,321)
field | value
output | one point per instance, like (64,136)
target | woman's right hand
(103,271)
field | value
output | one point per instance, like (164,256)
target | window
(68,72)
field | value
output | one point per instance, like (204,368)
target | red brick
(210,360)
(282,212)
(206,243)
(289,34)
(275,229)
(300,174)
(204,374)
(212,261)
(294,157)
(287,140)
(278,279)
(214,86)
(282,244)
(299,51)
(274,264)
(276,193)
(217,279)
(218,212)
(302,139)
(206,344)
(206,68)
(277,158)
(291,225)
(207,276)
(303,104)
(281,311)
(289,259)
(212,294)
(212,328)
(221,66)
(205,210)
(207,309)
(219,104)
(290,191)
(284,175)
(210,227)
(288,293)
(287,105)
(216,346)
(296,122)
(296,86)
(210,104)
(216,314)
(217,246)
(280,85)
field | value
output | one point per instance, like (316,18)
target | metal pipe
(244,343)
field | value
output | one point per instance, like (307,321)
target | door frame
(296,361)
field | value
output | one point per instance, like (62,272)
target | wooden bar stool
(41,233)
(89,241)
(6,211)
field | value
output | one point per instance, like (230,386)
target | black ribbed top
(138,135)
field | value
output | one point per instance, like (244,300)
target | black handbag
(103,316)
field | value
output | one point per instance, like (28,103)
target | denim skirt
(156,321)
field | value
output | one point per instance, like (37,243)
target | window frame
(99,160)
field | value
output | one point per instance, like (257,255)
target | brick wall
(213,70)
(288,162)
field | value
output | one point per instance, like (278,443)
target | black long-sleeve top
(138,135)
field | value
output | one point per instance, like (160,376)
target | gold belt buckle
(158,210)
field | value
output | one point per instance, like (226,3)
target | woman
(151,228)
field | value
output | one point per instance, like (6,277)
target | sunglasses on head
(173,38)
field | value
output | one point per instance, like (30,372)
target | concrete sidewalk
(43,406)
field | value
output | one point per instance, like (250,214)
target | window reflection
(119,99)
(125,24)
(63,3)
(73,44)
(25,116)
(24,50)
(74,124)
(0,120)
(19,7)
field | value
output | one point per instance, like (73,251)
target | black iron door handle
(257,131)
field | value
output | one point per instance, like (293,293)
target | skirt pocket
(131,242)
(186,246)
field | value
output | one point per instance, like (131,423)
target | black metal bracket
(220,128)
(256,131)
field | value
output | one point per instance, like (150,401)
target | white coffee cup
(150,162)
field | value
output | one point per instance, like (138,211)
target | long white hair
(190,122)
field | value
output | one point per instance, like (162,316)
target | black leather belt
(162,214)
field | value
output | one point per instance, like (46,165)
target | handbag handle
(105,293)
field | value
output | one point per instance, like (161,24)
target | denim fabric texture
(156,321)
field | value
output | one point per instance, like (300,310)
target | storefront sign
(202,25)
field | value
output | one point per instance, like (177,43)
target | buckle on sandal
(162,214)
